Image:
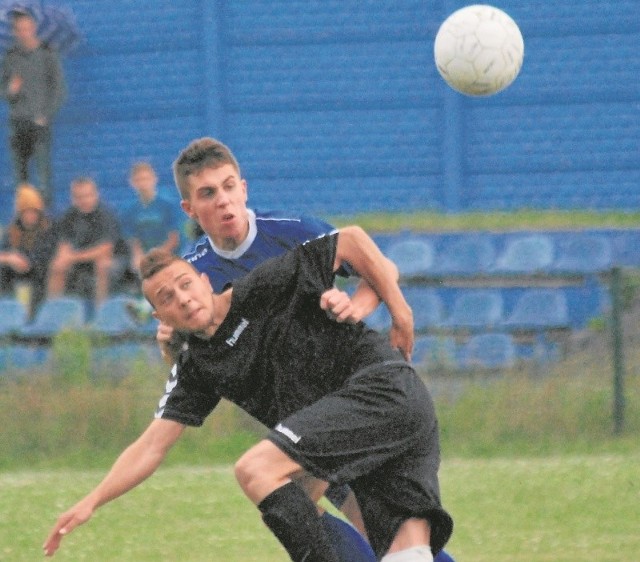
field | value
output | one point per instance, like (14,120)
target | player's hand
(169,342)
(401,334)
(339,306)
(67,522)
(164,333)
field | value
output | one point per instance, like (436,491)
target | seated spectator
(151,221)
(86,261)
(26,249)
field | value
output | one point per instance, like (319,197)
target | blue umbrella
(56,24)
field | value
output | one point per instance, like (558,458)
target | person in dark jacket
(33,83)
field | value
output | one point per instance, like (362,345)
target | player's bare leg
(266,476)
(411,543)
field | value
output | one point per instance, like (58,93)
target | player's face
(182,298)
(218,203)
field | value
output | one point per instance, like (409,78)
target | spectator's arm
(99,251)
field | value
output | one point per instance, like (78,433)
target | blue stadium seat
(476,309)
(112,318)
(539,309)
(489,351)
(526,254)
(430,352)
(413,256)
(54,315)
(13,316)
(583,253)
(16,357)
(469,255)
(427,306)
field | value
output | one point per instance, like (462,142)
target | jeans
(29,140)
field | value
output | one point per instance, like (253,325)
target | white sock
(413,554)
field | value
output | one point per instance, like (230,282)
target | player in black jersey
(342,401)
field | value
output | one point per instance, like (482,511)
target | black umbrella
(56,24)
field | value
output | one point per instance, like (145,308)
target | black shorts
(379,434)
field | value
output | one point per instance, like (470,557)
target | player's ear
(243,182)
(186,207)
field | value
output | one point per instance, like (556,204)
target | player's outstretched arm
(360,251)
(136,463)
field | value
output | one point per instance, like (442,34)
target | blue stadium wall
(335,106)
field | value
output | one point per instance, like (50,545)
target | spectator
(33,83)
(151,221)
(87,260)
(27,249)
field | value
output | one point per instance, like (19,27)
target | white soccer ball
(479,50)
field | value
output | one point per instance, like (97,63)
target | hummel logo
(236,333)
(288,433)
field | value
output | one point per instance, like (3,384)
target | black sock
(292,517)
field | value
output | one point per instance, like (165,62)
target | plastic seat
(527,254)
(539,309)
(427,306)
(413,256)
(55,315)
(469,255)
(20,357)
(431,352)
(489,351)
(583,253)
(13,316)
(113,319)
(476,309)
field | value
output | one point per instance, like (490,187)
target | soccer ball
(479,50)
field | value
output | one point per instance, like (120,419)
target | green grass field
(531,470)
(555,509)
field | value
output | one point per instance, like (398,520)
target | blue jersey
(149,223)
(270,235)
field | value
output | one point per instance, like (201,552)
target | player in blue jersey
(237,239)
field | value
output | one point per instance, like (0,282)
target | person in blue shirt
(151,220)
(236,239)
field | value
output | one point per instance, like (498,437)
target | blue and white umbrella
(56,24)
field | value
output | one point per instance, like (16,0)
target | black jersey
(276,350)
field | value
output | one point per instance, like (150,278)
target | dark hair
(19,12)
(198,155)
(156,260)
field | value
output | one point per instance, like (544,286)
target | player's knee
(241,470)
(247,468)
(264,467)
